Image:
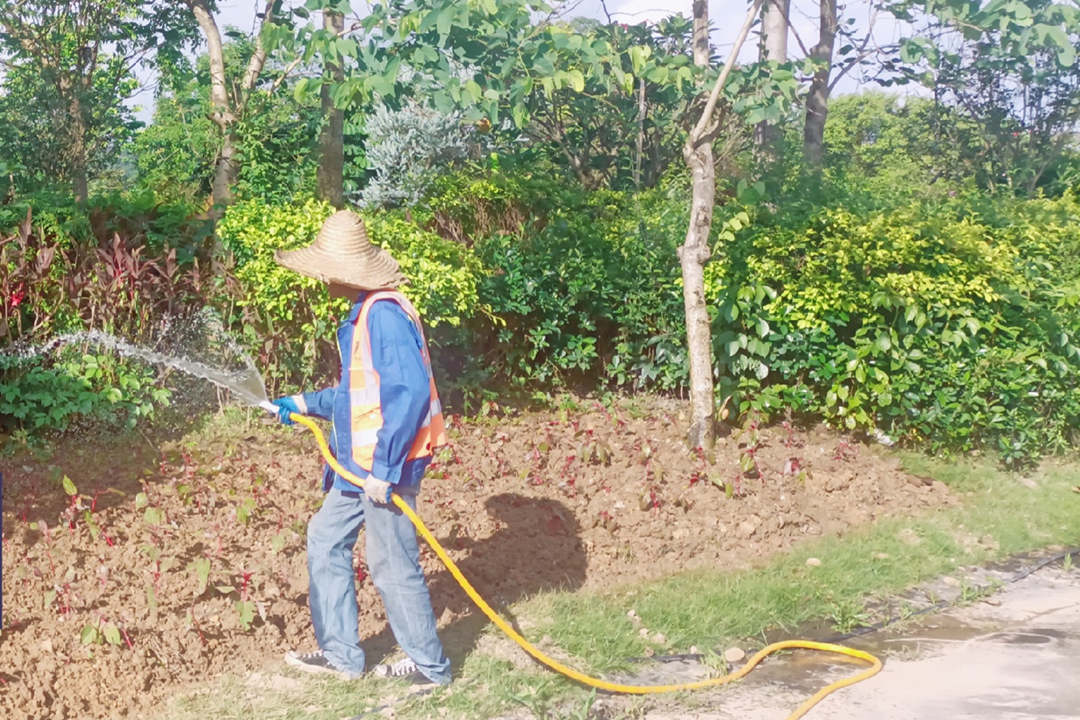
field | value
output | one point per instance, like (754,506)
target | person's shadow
(536,548)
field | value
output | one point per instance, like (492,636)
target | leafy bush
(408,149)
(52,286)
(276,154)
(42,393)
(582,284)
(935,323)
(55,215)
(138,217)
(290,322)
(950,322)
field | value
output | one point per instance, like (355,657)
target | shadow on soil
(503,569)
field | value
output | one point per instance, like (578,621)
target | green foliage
(52,285)
(139,217)
(946,322)
(574,280)
(407,150)
(290,322)
(40,394)
(275,136)
(576,90)
(276,153)
(55,215)
(1007,70)
(886,146)
(174,154)
(935,323)
(586,129)
(444,277)
(68,70)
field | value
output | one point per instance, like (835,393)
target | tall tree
(695,251)
(83,53)
(331,172)
(227,104)
(573,86)
(702,49)
(1006,80)
(773,49)
(817,99)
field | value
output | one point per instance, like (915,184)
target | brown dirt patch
(106,612)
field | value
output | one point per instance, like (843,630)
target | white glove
(378,491)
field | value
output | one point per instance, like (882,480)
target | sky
(726,17)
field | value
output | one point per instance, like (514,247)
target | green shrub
(444,277)
(948,323)
(290,322)
(584,285)
(49,393)
(53,285)
(138,217)
(55,215)
(936,324)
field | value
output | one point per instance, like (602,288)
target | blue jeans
(393,558)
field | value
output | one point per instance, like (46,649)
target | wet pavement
(1014,655)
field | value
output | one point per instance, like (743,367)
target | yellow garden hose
(875,664)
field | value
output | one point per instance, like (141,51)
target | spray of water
(246,383)
(228,367)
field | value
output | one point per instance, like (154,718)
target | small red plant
(845,451)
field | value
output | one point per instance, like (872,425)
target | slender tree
(83,53)
(330,175)
(695,252)
(817,99)
(227,107)
(774,48)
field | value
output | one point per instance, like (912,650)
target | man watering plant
(386,422)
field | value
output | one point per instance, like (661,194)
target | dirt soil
(158,566)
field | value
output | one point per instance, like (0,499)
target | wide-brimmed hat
(343,254)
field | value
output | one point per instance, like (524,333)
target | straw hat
(343,254)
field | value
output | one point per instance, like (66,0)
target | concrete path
(1015,656)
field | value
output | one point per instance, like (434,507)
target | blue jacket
(404,391)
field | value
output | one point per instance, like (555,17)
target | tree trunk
(641,110)
(775,31)
(77,147)
(701,33)
(226,171)
(774,43)
(817,100)
(693,255)
(79,185)
(220,112)
(76,156)
(223,112)
(331,172)
(694,252)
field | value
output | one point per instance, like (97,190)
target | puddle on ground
(1034,636)
(805,671)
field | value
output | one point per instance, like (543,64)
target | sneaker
(316,662)
(404,670)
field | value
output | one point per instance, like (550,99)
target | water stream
(244,382)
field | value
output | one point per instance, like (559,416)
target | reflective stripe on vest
(364,401)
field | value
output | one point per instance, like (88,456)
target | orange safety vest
(364,400)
